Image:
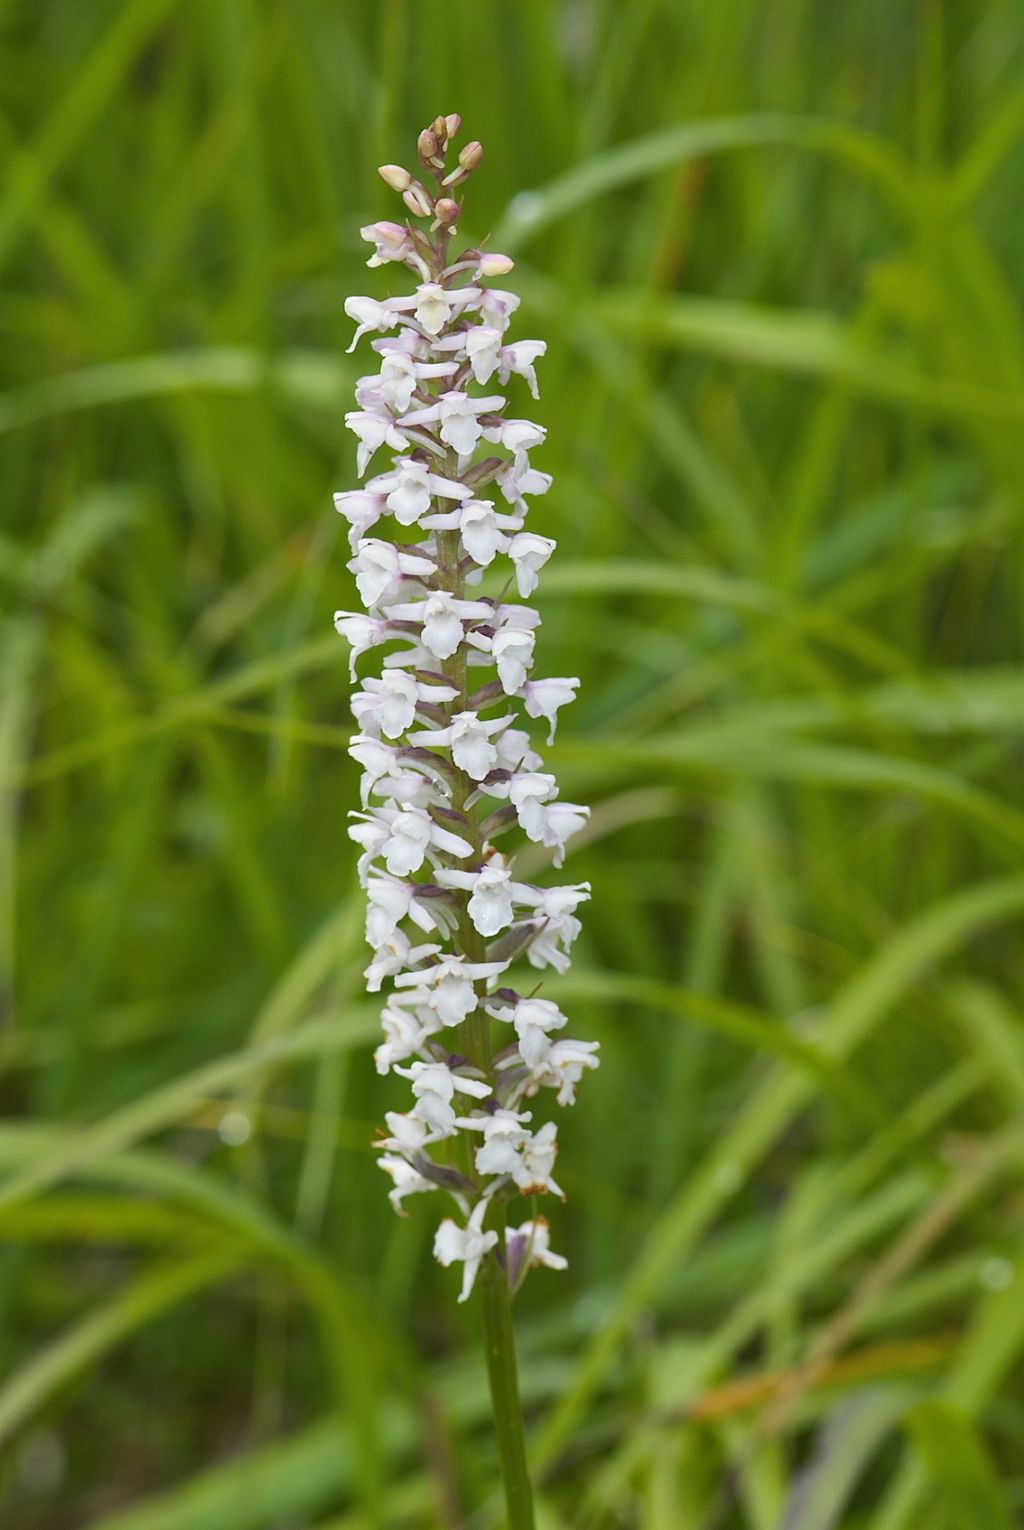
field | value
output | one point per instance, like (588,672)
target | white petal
(475,754)
(442,634)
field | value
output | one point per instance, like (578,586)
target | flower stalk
(502,1376)
(446,769)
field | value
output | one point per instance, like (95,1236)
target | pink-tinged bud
(395,177)
(393,235)
(391,241)
(453,122)
(427,145)
(494,264)
(446,210)
(417,201)
(471,155)
(439,128)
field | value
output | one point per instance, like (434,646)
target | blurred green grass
(777,254)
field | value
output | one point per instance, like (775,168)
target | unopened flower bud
(471,155)
(446,210)
(428,146)
(453,123)
(439,128)
(494,264)
(417,201)
(397,178)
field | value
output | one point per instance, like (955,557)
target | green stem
(500,1350)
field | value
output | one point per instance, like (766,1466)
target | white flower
(483,530)
(407,787)
(457,417)
(408,1132)
(496,307)
(491,891)
(527,793)
(486,355)
(360,632)
(469,739)
(490,902)
(503,1137)
(513,656)
(520,358)
(544,697)
(529,552)
(404,1036)
(467,1245)
(443,618)
(371,833)
(433,310)
(397,381)
(532,1020)
(400,374)
(442,622)
(530,1241)
(373,431)
(472,749)
(434,1086)
(564,819)
(371,315)
(533,1172)
(407,490)
(555,907)
(447,987)
(388,705)
(412,834)
(517,479)
(407,1180)
(519,436)
(394,955)
(377,759)
(508,1149)
(563,1065)
(541,817)
(388,902)
(482,347)
(380,567)
(360,508)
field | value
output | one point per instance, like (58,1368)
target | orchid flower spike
(448,765)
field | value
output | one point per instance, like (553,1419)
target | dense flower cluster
(446,768)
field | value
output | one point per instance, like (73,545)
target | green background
(776,250)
